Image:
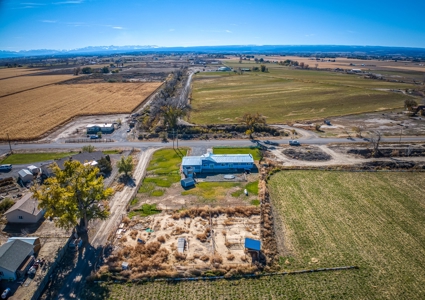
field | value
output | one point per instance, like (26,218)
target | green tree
(105,165)
(99,134)
(251,120)
(74,196)
(409,103)
(171,115)
(125,165)
(88,148)
(263,68)
(86,70)
(105,70)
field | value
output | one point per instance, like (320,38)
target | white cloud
(228,31)
(32,3)
(48,21)
(70,2)
(117,27)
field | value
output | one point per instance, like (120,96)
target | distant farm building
(24,210)
(103,128)
(217,163)
(224,69)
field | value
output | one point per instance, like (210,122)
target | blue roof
(252,244)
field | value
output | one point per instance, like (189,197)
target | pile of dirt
(390,152)
(307,153)
(393,165)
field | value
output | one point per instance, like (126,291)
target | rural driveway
(91,252)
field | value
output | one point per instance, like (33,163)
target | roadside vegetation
(371,220)
(27,158)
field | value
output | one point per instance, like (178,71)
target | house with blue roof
(209,163)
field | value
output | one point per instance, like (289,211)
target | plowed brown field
(29,114)
(22,83)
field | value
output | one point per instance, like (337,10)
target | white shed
(33,169)
(25,175)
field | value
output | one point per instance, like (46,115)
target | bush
(5,205)
(161,239)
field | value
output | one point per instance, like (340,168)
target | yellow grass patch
(29,114)
(17,84)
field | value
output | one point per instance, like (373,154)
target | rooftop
(100,125)
(12,254)
(218,158)
(24,172)
(27,204)
(82,158)
(252,244)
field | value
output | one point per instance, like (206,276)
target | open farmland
(284,95)
(13,72)
(29,114)
(22,83)
(372,220)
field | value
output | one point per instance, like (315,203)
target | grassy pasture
(163,171)
(373,220)
(22,83)
(29,114)
(27,158)
(285,94)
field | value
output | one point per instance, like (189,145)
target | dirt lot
(226,237)
(308,153)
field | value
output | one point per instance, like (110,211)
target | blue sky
(69,24)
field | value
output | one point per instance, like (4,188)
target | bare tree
(358,129)
(375,139)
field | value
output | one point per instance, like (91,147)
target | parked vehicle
(93,137)
(5,293)
(6,167)
(128,130)
(294,143)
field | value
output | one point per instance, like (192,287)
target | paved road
(195,143)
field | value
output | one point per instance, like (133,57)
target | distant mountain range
(246,49)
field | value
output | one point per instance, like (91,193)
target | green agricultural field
(285,94)
(255,152)
(331,285)
(27,158)
(373,220)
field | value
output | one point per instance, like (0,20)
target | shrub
(204,258)
(6,204)
(133,234)
(161,239)
(230,257)
(179,256)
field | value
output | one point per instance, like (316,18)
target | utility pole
(401,132)
(10,146)
(177,139)
(173,138)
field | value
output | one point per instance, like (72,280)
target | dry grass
(42,109)
(230,257)
(18,84)
(204,212)
(204,236)
(12,72)
(134,234)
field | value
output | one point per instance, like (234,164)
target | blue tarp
(252,244)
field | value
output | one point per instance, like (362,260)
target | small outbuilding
(181,244)
(32,240)
(187,182)
(25,210)
(33,169)
(25,175)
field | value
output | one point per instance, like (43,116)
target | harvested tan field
(29,114)
(12,72)
(18,84)
(344,63)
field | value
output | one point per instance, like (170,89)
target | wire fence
(89,141)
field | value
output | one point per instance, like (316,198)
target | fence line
(89,141)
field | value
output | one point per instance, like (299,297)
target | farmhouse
(104,128)
(24,210)
(217,163)
(15,259)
